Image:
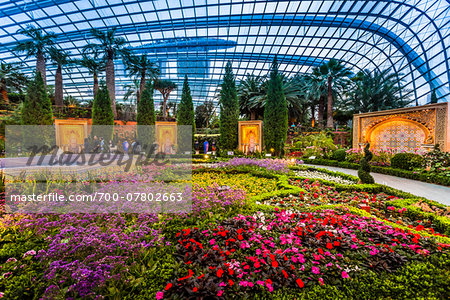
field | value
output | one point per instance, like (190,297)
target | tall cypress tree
(275,113)
(433,97)
(102,114)
(186,117)
(229,111)
(146,117)
(37,110)
(37,107)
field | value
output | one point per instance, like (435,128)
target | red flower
(168,286)
(240,237)
(230,271)
(274,263)
(284,273)
(257,264)
(201,276)
(269,281)
(195,289)
(336,243)
(219,273)
(320,250)
(186,277)
(300,283)
(420,227)
(230,282)
(329,246)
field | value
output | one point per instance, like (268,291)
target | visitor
(102,145)
(96,145)
(125,146)
(133,147)
(137,147)
(86,145)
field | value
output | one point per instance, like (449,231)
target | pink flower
(315,270)
(270,287)
(321,281)
(243,283)
(212,241)
(345,275)
(159,295)
(219,293)
(260,282)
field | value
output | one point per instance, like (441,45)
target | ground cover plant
(253,232)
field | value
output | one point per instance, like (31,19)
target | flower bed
(275,165)
(252,185)
(324,176)
(264,253)
(231,246)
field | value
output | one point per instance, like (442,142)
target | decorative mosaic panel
(403,136)
(426,117)
(404,129)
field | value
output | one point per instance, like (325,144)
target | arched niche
(398,134)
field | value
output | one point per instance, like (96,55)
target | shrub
(37,108)
(319,145)
(364,169)
(146,116)
(406,161)
(186,117)
(229,111)
(339,155)
(275,113)
(102,114)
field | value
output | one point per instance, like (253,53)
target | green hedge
(431,178)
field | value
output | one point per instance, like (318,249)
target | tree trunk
(252,115)
(313,110)
(4,91)
(40,66)
(111,83)
(141,88)
(321,111)
(95,83)
(59,86)
(165,97)
(330,104)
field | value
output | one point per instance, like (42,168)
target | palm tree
(249,88)
(132,92)
(335,76)
(377,90)
(315,93)
(141,66)
(10,76)
(252,94)
(94,65)
(37,46)
(112,47)
(165,87)
(60,58)
(71,101)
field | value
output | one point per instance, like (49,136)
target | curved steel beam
(280,20)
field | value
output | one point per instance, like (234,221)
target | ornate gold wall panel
(405,129)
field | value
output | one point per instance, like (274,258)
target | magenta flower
(345,275)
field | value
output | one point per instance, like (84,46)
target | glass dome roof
(412,37)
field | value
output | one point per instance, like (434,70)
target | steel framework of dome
(412,37)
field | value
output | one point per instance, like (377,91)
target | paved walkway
(430,191)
